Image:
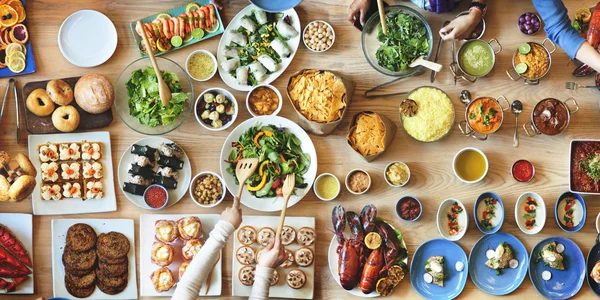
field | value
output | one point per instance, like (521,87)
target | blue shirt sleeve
(558,25)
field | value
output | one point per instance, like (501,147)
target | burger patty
(81,282)
(81,237)
(79,292)
(79,260)
(113,269)
(112,245)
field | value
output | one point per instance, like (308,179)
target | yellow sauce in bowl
(327,187)
(470,165)
(201,66)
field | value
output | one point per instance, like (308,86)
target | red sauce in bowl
(408,209)
(523,171)
(155,197)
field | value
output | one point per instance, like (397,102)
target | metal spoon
(517,108)
(465,97)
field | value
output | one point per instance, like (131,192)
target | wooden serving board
(43,125)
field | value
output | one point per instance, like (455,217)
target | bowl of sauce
(264,100)
(476,58)
(201,65)
(327,187)
(484,116)
(409,208)
(156,197)
(522,171)
(570,212)
(550,117)
(397,174)
(358,182)
(470,165)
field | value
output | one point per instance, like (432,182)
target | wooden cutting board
(43,125)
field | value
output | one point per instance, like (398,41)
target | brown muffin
(111,290)
(111,261)
(81,237)
(79,260)
(113,269)
(112,245)
(81,282)
(79,292)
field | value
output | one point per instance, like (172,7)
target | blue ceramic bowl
(480,204)
(558,215)
(592,258)
(404,199)
(275,5)
(485,278)
(563,284)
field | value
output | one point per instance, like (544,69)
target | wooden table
(432,178)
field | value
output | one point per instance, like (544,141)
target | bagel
(25,164)
(39,103)
(21,188)
(4,188)
(65,118)
(60,92)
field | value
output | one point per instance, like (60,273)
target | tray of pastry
(68,104)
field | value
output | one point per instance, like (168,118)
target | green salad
(279,154)
(144,100)
(407,39)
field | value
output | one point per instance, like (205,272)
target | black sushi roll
(167,182)
(133,188)
(145,172)
(146,151)
(170,162)
(171,150)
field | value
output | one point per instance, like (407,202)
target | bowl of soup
(201,65)
(327,187)
(483,116)
(550,116)
(470,165)
(476,58)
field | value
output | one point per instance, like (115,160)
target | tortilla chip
(367,134)
(318,95)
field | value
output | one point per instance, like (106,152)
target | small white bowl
(487,166)
(279,105)
(339,185)
(214,63)
(326,24)
(348,179)
(598,223)
(442,220)
(386,178)
(193,185)
(215,91)
(540,213)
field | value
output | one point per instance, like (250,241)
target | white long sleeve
(262,283)
(189,286)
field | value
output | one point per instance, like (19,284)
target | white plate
(226,40)
(147,267)
(540,216)
(74,205)
(332,260)
(442,220)
(281,289)
(87,38)
(269,204)
(20,225)
(185,174)
(59,235)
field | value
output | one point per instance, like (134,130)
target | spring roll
(281,48)
(248,24)
(230,64)
(230,52)
(241,73)
(258,70)
(268,62)
(285,29)
(261,16)
(239,38)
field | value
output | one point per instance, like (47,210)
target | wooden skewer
(382,16)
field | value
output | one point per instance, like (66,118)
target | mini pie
(265,236)
(304,257)
(162,279)
(162,254)
(245,255)
(275,278)
(246,235)
(189,228)
(296,279)
(191,248)
(288,235)
(290,261)
(306,236)
(183,268)
(165,231)
(246,275)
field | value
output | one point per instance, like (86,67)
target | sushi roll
(248,24)
(239,38)
(230,52)
(268,62)
(241,73)
(167,172)
(230,64)
(137,179)
(170,162)
(171,150)
(167,182)
(145,172)
(143,161)
(285,29)
(281,48)
(132,188)
(261,16)
(258,70)
(146,151)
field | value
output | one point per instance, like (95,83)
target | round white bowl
(487,165)
(348,179)
(280,104)
(192,186)
(229,96)
(385,174)
(442,220)
(317,181)
(213,58)
(540,214)
(598,223)
(327,25)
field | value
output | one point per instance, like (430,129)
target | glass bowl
(122,97)
(370,44)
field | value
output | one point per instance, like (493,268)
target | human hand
(274,254)
(358,11)
(218,3)
(461,27)
(233,216)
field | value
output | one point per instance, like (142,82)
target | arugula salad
(278,152)
(144,100)
(407,39)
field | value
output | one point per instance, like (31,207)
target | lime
(521,68)
(524,48)
(373,240)
(176,41)
(214,28)
(163,16)
(198,33)
(17,65)
(192,7)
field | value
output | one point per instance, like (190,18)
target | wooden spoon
(243,170)
(287,189)
(382,16)
(163,88)
(421,61)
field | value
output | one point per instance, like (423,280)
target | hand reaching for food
(233,216)
(358,11)
(461,27)
(274,255)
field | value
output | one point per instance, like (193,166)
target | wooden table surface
(432,179)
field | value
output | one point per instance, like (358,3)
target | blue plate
(485,278)
(592,258)
(563,284)
(499,212)
(452,253)
(29,61)
(557,216)
(275,5)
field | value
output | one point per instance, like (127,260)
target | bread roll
(94,93)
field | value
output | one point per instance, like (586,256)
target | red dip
(522,171)
(408,209)
(155,197)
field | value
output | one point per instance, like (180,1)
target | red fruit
(19,34)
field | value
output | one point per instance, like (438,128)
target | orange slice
(18,7)
(8,16)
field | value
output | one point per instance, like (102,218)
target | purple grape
(529,31)
(527,18)
(521,27)
(521,19)
(527,27)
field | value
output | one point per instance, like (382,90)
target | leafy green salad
(279,154)
(407,39)
(144,100)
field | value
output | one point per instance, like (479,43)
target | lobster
(370,273)
(349,259)
(390,243)
(593,37)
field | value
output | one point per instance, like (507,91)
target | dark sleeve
(558,25)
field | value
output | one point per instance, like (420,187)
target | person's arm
(462,26)
(358,11)
(588,55)
(269,261)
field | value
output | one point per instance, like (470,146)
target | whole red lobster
(391,244)
(370,273)
(593,37)
(350,251)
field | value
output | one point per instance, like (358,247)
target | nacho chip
(367,134)
(318,95)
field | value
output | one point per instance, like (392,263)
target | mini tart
(246,275)
(290,261)
(245,255)
(288,235)
(265,236)
(51,192)
(48,152)
(71,190)
(92,170)
(275,278)
(165,231)
(94,190)
(162,254)
(69,151)
(49,172)
(182,269)
(259,253)
(189,228)
(91,151)
(70,171)
(306,236)
(304,257)
(162,279)
(191,248)
(247,235)
(296,279)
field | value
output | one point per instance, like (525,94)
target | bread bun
(39,103)
(60,92)
(4,188)
(65,118)
(94,93)
(25,164)
(21,188)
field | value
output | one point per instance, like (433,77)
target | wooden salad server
(243,170)
(163,88)
(287,189)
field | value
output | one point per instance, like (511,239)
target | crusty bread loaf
(94,93)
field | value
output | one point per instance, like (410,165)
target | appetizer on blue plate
(593,267)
